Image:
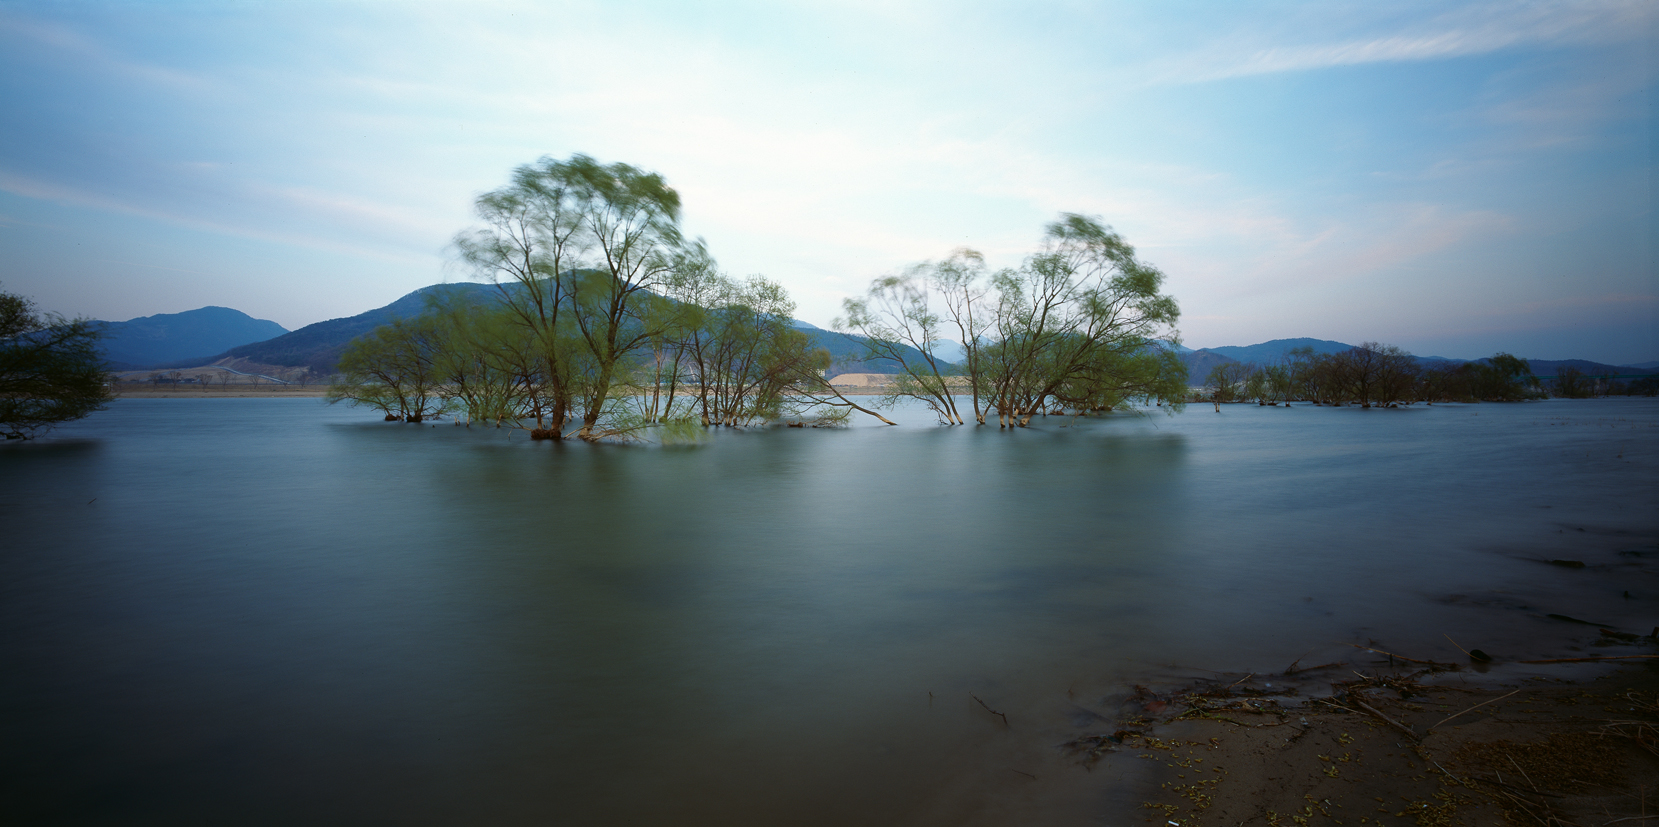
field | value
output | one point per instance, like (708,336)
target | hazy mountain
(173,337)
(1200,362)
(185,339)
(318,346)
(1551,367)
(1270,352)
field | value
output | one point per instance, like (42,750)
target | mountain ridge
(191,335)
(318,346)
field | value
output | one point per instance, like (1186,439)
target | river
(273,611)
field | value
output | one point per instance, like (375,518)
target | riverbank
(1396,742)
(215,392)
(244,391)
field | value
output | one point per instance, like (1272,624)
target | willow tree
(576,249)
(51,369)
(394,369)
(1077,326)
(488,365)
(903,320)
(531,240)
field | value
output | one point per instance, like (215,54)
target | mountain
(1552,367)
(1269,352)
(318,346)
(845,348)
(1642,365)
(173,337)
(1200,362)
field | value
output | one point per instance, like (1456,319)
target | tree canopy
(606,320)
(51,370)
(1080,326)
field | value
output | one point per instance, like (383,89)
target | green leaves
(1073,326)
(51,370)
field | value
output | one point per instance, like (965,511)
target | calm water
(272,611)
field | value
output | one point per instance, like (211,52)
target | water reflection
(277,611)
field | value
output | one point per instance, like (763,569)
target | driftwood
(1385,719)
(1404,658)
(1473,708)
(989,709)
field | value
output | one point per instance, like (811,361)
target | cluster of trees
(51,370)
(1572,383)
(1372,375)
(606,321)
(1076,327)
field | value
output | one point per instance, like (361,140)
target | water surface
(272,611)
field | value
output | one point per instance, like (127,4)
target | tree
(900,317)
(1503,378)
(51,370)
(1571,384)
(1227,380)
(393,368)
(1074,327)
(580,252)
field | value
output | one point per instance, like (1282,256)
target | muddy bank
(1382,740)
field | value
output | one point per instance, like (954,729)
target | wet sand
(1385,741)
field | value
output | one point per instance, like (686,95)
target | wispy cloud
(1469,31)
(58,193)
(98,56)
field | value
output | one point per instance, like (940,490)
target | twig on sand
(1385,719)
(1403,657)
(990,710)
(1472,708)
(1294,671)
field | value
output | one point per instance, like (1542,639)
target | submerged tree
(1077,326)
(579,251)
(51,370)
(394,369)
(1227,381)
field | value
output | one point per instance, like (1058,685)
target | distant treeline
(1372,374)
(606,322)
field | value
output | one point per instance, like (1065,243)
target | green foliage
(51,370)
(1571,383)
(1073,328)
(393,369)
(1502,378)
(580,251)
(1226,381)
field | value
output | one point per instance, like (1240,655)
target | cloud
(1475,30)
(92,54)
(146,208)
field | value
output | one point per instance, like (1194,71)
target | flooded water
(271,611)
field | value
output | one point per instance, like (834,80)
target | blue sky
(1455,179)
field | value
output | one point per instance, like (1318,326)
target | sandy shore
(1397,743)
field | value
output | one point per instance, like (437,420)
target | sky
(1456,179)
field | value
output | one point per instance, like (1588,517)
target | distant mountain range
(193,336)
(220,335)
(318,346)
